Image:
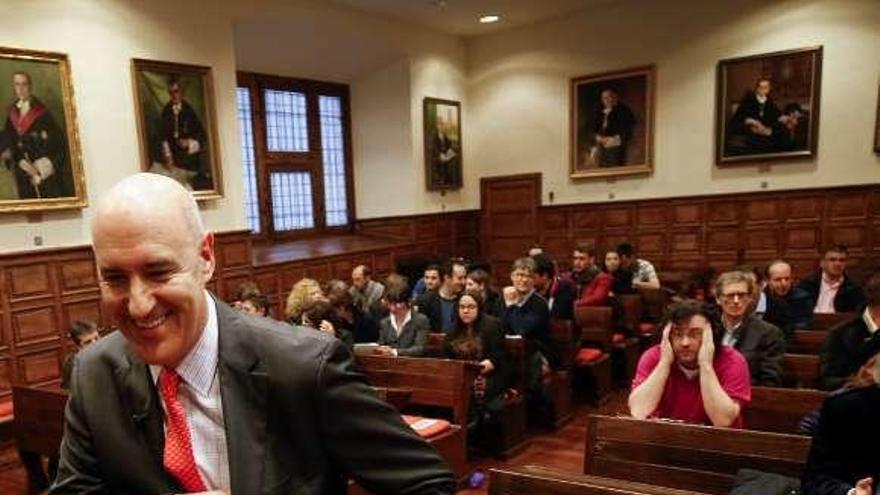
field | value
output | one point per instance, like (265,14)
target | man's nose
(140,299)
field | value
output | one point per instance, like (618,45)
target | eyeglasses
(732,296)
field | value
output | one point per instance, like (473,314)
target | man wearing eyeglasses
(761,343)
(830,289)
(690,376)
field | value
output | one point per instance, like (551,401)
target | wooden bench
(685,456)
(824,321)
(441,383)
(807,341)
(781,410)
(38,425)
(529,480)
(800,370)
(596,329)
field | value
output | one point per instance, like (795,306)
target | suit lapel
(243,389)
(142,403)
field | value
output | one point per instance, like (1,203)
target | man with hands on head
(690,376)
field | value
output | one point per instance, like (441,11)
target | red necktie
(179,460)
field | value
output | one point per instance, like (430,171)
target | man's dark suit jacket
(298,420)
(844,449)
(789,313)
(412,339)
(763,346)
(849,299)
(839,357)
(430,305)
(532,322)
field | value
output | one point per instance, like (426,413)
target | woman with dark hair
(479,281)
(478,337)
(321,316)
(622,278)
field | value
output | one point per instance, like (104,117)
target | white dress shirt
(869,322)
(199,394)
(827,293)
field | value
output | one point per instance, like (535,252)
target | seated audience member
(844,458)
(864,377)
(363,326)
(245,290)
(788,307)
(526,314)
(761,343)
(439,306)
(255,304)
(320,315)
(558,291)
(301,295)
(592,285)
(430,281)
(643,272)
(839,355)
(830,289)
(759,300)
(477,337)
(690,376)
(365,291)
(403,332)
(479,281)
(82,334)
(621,279)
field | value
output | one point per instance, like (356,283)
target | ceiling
(460,17)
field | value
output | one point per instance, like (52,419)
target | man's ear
(206,256)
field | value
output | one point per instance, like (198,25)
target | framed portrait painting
(177,124)
(768,106)
(40,161)
(612,123)
(442,126)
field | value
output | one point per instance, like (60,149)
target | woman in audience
(321,316)
(622,279)
(301,295)
(479,281)
(478,337)
(403,332)
(362,325)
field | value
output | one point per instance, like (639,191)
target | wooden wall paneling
(268,281)
(685,242)
(761,243)
(6,376)
(231,281)
(30,280)
(850,206)
(723,212)
(39,365)
(762,211)
(77,274)
(393,229)
(319,271)
(35,322)
(620,218)
(687,214)
(651,244)
(804,208)
(651,216)
(383,264)
(291,273)
(82,308)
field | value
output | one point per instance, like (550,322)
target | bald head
(779,278)
(147,198)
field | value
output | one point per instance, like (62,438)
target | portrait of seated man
(690,375)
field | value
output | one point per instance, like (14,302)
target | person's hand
(327,327)
(865,487)
(707,347)
(487,366)
(384,350)
(510,295)
(667,355)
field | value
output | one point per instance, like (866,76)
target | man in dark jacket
(439,305)
(788,307)
(558,291)
(830,290)
(839,356)
(761,343)
(844,458)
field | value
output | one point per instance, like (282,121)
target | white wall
(519,100)
(100,38)
(390,67)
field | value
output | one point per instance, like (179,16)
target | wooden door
(508,220)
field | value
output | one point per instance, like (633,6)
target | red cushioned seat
(645,328)
(6,411)
(427,427)
(587,355)
(618,338)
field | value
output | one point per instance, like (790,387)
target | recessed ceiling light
(489,18)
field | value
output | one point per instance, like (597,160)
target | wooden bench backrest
(807,341)
(563,335)
(594,323)
(435,344)
(516,351)
(800,370)
(780,410)
(654,301)
(631,309)
(38,425)
(434,382)
(824,321)
(685,456)
(530,480)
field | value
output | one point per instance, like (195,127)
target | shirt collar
(525,298)
(869,322)
(405,320)
(829,283)
(199,367)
